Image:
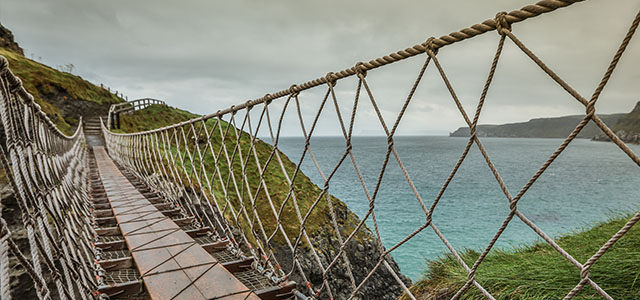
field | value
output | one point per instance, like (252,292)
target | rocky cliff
(627,128)
(7,41)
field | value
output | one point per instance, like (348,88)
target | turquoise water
(589,183)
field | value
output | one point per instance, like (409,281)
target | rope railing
(48,173)
(216,167)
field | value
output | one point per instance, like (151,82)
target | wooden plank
(172,265)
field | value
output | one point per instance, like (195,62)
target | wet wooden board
(172,265)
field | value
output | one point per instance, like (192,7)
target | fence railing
(48,173)
(127,108)
(259,199)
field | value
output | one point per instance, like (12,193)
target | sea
(589,183)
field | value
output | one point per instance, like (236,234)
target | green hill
(559,127)
(64,97)
(540,272)
(627,128)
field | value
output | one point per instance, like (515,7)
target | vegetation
(236,148)
(630,122)
(152,117)
(540,272)
(48,85)
(541,128)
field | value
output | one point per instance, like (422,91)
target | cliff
(559,127)
(7,41)
(627,128)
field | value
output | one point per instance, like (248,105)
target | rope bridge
(244,193)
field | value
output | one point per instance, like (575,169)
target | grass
(46,83)
(540,272)
(216,181)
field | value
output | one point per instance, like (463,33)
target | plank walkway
(172,265)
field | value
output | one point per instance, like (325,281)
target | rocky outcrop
(363,253)
(627,128)
(7,41)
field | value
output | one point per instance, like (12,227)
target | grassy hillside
(540,128)
(152,117)
(156,116)
(64,97)
(629,122)
(539,272)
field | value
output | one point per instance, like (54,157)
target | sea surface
(589,182)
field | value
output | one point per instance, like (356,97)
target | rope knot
(349,146)
(513,205)
(390,141)
(584,273)
(292,90)
(360,69)
(591,108)
(501,23)
(248,105)
(331,79)
(15,85)
(431,48)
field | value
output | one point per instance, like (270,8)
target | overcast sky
(207,55)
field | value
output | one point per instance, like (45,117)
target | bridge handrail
(47,171)
(130,106)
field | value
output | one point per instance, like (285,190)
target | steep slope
(361,252)
(64,97)
(559,127)
(627,128)
(540,272)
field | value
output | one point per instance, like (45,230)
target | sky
(203,56)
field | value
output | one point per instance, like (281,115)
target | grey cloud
(207,55)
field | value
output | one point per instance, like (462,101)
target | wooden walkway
(172,265)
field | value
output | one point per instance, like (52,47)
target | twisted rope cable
(45,169)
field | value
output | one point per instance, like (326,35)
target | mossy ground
(44,82)
(208,138)
(540,272)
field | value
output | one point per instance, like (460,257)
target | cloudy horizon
(204,56)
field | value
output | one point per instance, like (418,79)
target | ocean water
(589,183)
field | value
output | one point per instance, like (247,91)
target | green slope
(64,97)
(156,116)
(540,272)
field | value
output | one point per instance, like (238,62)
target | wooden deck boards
(172,265)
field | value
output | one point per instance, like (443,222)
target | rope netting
(48,173)
(217,168)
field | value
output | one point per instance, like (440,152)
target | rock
(6,40)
